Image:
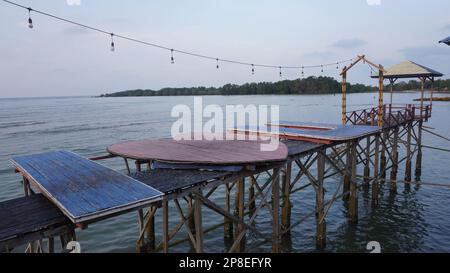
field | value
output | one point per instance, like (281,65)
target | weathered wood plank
(84,190)
(28,214)
(226,152)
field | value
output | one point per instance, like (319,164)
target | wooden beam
(344,98)
(276,211)
(320,212)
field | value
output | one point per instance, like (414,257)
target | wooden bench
(31,219)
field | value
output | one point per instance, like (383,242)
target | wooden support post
(286,202)
(422,90)
(384,138)
(239,206)
(26,186)
(320,210)
(347,174)
(51,245)
(380,97)
(344,98)
(375,181)
(138,165)
(198,223)
(418,171)
(394,161)
(251,197)
(367,161)
(127,166)
(165,220)
(276,211)
(191,220)
(151,241)
(408,153)
(228,224)
(353,204)
(141,242)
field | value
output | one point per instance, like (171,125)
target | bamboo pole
(344,97)
(239,206)
(375,181)
(251,196)
(367,160)
(408,153)
(347,175)
(394,161)
(353,204)
(165,207)
(276,211)
(228,224)
(384,137)
(198,223)
(320,213)
(380,97)
(286,203)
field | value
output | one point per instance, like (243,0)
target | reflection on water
(411,220)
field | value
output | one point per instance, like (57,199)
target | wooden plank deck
(169,181)
(25,215)
(84,190)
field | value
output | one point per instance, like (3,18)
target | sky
(58,59)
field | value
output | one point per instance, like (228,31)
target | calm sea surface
(412,220)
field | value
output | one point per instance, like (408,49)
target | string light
(192,54)
(280,72)
(321,70)
(172,60)
(113,48)
(337,66)
(30,22)
(303,71)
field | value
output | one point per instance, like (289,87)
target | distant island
(310,85)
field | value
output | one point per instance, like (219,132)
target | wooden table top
(83,190)
(217,152)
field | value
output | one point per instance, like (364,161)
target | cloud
(419,52)
(73,2)
(349,43)
(76,30)
(319,54)
(446,27)
(373,2)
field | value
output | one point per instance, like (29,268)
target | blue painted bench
(85,191)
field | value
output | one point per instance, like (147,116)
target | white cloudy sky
(57,59)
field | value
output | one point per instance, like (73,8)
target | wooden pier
(266,186)
(70,192)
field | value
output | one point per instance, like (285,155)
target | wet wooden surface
(168,181)
(227,152)
(24,215)
(314,132)
(82,189)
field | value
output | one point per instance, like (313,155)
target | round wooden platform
(217,152)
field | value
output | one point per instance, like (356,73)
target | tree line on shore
(310,85)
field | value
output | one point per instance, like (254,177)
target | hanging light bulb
(280,72)
(337,66)
(172,60)
(321,70)
(303,71)
(217,63)
(253,69)
(113,48)
(30,22)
